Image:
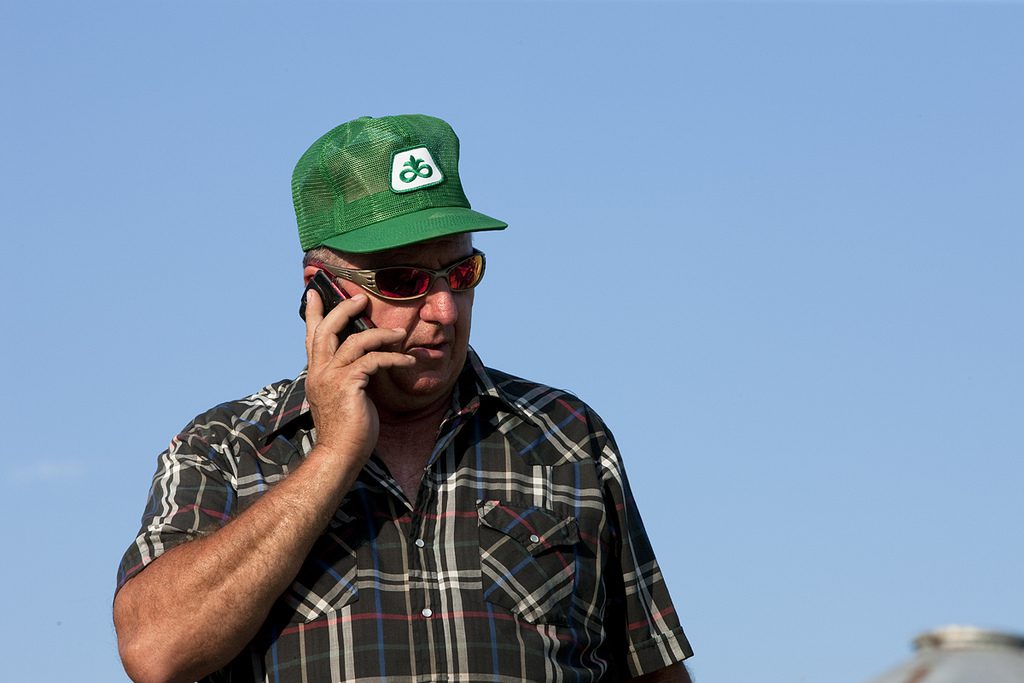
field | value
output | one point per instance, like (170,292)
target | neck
(405,442)
(414,419)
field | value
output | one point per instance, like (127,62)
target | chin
(428,385)
(412,390)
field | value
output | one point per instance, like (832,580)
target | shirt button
(534,538)
(427,612)
(419,543)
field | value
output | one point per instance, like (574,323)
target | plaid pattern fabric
(523,557)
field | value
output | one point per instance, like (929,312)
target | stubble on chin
(403,390)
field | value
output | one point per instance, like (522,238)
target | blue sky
(777,246)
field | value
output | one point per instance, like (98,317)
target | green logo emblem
(417,169)
(414,169)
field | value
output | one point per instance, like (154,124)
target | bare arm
(194,608)
(676,673)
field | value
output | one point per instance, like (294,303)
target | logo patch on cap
(413,169)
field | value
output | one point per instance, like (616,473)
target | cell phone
(332,295)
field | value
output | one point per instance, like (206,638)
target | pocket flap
(536,528)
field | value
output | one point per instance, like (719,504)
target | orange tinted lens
(466,274)
(402,283)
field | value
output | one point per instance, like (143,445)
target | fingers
(362,353)
(314,314)
(355,346)
(368,365)
(322,330)
(325,349)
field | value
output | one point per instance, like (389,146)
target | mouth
(435,351)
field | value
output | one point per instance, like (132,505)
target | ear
(307,274)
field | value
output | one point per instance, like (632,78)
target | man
(398,511)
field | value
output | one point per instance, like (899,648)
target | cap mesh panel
(343,181)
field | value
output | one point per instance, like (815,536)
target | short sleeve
(645,617)
(192,495)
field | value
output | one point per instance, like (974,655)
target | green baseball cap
(378,183)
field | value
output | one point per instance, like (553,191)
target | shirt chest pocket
(528,560)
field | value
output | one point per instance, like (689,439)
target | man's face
(437,325)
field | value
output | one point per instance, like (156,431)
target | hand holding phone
(332,295)
(339,373)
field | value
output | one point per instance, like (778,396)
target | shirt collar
(290,407)
(476,385)
(478,382)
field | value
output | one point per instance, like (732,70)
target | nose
(439,304)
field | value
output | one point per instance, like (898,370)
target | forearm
(193,609)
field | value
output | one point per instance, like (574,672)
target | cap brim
(413,227)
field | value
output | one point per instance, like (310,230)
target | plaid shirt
(523,557)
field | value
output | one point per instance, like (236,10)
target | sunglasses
(402,283)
